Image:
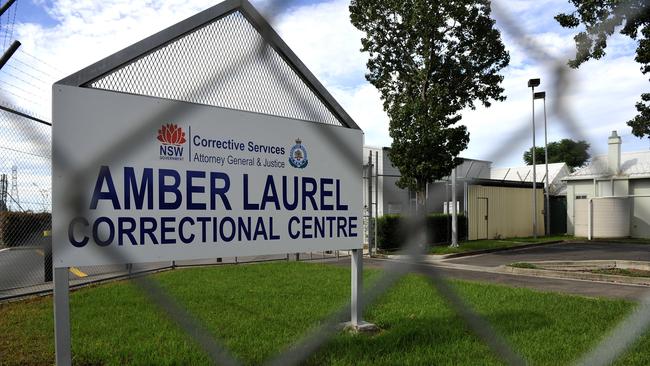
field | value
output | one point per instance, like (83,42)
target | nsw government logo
(298,155)
(172,139)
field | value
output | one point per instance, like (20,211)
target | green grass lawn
(259,310)
(470,246)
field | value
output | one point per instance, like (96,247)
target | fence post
(62,342)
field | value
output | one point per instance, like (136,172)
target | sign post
(62,339)
(357,287)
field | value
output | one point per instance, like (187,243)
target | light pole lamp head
(539,95)
(533,83)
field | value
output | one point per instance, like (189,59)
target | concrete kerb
(575,275)
(440,257)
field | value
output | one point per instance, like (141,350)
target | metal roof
(556,172)
(173,62)
(525,173)
(633,165)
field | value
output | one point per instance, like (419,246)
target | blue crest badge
(298,155)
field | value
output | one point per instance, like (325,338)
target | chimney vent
(614,153)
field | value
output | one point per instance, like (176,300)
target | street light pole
(547,211)
(532,83)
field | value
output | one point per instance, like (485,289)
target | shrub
(439,228)
(391,234)
(23,228)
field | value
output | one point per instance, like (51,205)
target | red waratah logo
(171,134)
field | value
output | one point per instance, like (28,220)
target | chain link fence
(26,218)
(33,160)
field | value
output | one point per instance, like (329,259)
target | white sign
(159,180)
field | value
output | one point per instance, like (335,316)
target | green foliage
(439,228)
(430,59)
(641,122)
(601,18)
(574,153)
(23,228)
(391,232)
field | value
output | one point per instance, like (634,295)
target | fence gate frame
(148,46)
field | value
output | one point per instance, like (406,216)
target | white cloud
(602,96)
(365,107)
(322,36)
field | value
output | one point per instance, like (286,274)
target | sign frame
(85,77)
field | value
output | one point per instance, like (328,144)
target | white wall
(576,188)
(640,210)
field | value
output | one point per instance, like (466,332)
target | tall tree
(430,59)
(601,18)
(574,153)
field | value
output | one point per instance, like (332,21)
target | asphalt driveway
(562,251)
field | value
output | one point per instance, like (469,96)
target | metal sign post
(62,343)
(357,286)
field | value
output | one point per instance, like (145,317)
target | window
(581,196)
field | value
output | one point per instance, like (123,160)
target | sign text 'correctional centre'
(208,182)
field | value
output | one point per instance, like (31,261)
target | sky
(60,37)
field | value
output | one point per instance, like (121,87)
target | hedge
(23,228)
(391,234)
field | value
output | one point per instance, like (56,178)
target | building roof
(525,173)
(556,172)
(633,165)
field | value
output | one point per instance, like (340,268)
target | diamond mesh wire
(249,102)
(265,82)
(25,176)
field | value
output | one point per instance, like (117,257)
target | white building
(610,197)
(394,200)
(506,214)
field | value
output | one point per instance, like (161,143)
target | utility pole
(14,186)
(547,211)
(3,192)
(454,214)
(376,196)
(370,223)
(532,83)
